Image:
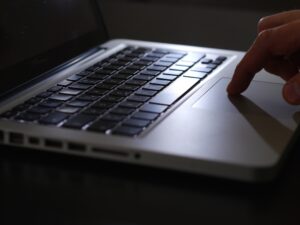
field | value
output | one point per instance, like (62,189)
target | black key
(54,118)
(157,68)
(131,72)
(161,51)
(137,123)
(103,105)
(119,63)
(166,77)
(8,114)
(176,90)
(148,93)
(78,103)
(121,93)
(68,91)
(175,55)
(212,66)
(180,68)
(154,108)
(40,110)
(106,86)
(59,97)
(68,109)
(150,59)
(193,57)
(88,97)
(44,94)
(84,73)
(113,67)
(114,117)
(173,72)
(171,60)
(33,101)
(138,98)
(162,63)
(145,116)
(195,74)
(93,68)
(125,59)
(122,76)
(150,72)
(98,77)
(127,131)
(160,82)
(143,77)
(113,81)
(155,55)
(79,121)
(221,58)
(129,87)
(102,126)
(135,67)
(123,111)
(97,92)
(55,88)
(65,83)
(94,111)
(111,98)
(130,104)
(80,86)
(88,81)
(136,82)
(51,103)
(74,78)
(206,61)
(202,69)
(28,116)
(21,107)
(185,63)
(153,87)
(143,63)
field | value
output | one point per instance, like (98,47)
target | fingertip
(232,90)
(291,93)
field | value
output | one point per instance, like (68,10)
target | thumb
(291,90)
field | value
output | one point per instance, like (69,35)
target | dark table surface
(44,188)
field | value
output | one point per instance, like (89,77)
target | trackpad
(260,99)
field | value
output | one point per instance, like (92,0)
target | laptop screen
(38,35)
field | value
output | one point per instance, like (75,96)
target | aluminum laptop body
(203,131)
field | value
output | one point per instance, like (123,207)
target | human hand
(277,50)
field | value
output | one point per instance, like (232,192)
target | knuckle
(265,36)
(261,25)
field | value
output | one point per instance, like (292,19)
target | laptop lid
(41,35)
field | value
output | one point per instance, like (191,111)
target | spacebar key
(176,90)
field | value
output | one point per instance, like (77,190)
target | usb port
(76,147)
(16,138)
(53,143)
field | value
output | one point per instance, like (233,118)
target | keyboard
(120,95)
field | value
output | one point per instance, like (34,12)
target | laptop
(66,88)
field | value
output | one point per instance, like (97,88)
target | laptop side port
(53,143)
(34,140)
(110,152)
(76,147)
(16,138)
(2,136)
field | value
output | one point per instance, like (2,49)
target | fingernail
(292,92)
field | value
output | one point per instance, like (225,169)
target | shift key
(175,91)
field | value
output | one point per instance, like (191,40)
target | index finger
(280,41)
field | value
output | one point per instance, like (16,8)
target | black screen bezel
(34,67)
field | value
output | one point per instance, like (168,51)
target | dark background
(45,188)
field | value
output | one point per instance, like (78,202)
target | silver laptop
(66,88)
